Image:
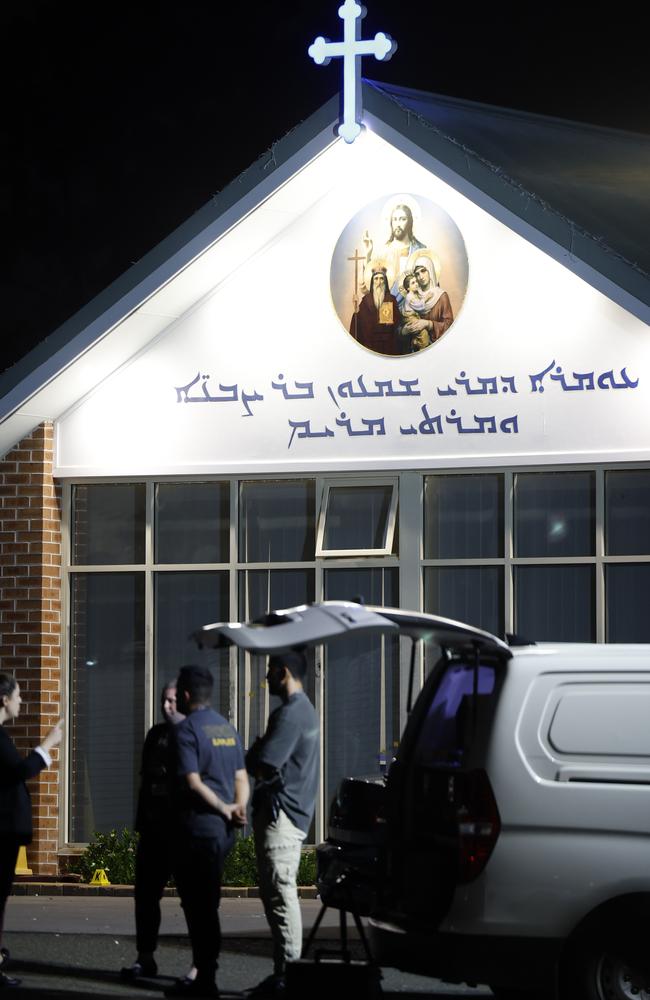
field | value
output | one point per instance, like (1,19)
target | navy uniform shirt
(207,744)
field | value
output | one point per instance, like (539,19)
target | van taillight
(478,820)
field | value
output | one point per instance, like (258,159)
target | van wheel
(598,972)
(615,979)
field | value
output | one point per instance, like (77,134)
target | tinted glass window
(108,524)
(627,513)
(627,589)
(554,514)
(463,517)
(472,594)
(276,522)
(107,701)
(192,523)
(446,729)
(361,683)
(262,590)
(183,603)
(555,603)
(357,517)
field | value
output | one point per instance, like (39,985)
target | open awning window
(357,518)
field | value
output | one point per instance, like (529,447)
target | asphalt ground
(70,946)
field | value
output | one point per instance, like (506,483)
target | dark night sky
(121,119)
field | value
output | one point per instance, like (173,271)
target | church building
(412,369)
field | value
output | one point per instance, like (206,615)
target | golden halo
(430,255)
(400,199)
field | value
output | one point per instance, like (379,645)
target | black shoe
(272,986)
(192,988)
(6,981)
(139,970)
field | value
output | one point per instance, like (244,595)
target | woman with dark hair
(15,802)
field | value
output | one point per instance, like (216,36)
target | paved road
(74,947)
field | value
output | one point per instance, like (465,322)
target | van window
(448,725)
(608,720)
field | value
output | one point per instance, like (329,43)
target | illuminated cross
(352,48)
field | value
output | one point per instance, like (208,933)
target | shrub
(307,867)
(241,866)
(115,852)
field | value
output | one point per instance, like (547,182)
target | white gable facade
(224,445)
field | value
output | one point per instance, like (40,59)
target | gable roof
(577,191)
(596,179)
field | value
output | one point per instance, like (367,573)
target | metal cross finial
(352,48)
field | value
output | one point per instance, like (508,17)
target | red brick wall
(30,618)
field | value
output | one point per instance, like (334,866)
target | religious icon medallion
(399,275)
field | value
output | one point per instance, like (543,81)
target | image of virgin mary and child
(408,317)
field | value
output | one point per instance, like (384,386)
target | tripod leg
(364,939)
(343,929)
(313,932)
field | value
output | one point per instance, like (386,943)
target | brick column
(30,618)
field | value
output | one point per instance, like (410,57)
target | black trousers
(198,868)
(153,868)
(9,845)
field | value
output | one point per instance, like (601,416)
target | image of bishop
(377,321)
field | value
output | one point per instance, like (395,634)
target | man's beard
(379,294)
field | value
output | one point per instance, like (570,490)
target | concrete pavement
(74,946)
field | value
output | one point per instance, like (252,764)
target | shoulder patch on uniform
(220,735)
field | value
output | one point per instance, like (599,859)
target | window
(357,518)
(447,728)
(463,517)
(276,521)
(555,603)
(183,602)
(627,512)
(361,683)
(260,591)
(558,555)
(554,514)
(108,524)
(472,594)
(107,695)
(627,587)
(192,523)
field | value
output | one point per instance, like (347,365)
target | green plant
(307,867)
(241,866)
(114,852)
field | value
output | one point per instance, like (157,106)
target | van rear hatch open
(442,816)
(401,847)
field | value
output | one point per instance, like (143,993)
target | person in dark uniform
(15,802)
(213,793)
(153,859)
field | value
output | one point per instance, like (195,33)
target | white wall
(273,314)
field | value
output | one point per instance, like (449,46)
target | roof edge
(469,172)
(127,292)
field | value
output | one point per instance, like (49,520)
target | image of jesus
(394,254)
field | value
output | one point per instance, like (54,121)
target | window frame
(391,518)
(409,560)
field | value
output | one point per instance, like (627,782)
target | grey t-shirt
(290,746)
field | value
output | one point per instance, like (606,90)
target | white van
(509,843)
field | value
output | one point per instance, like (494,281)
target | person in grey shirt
(285,765)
